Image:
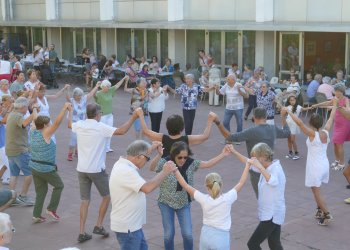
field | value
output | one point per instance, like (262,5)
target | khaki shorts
(99,179)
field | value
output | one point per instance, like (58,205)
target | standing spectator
(247,73)
(261,132)
(104,98)
(154,66)
(271,202)
(43,164)
(128,194)
(234,70)
(203,60)
(32,80)
(5,68)
(17,147)
(234,93)
(312,88)
(52,58)
(6,230)
(156,105)
(214,82)
(91,136)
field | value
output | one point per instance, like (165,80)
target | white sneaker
(334,164)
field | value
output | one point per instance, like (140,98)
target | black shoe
(84,237)
(245,118)
(348,186)
(100,231)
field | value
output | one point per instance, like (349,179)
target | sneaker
(319,214)
(324,221)
(296,157)
(100,231)
(26,200)
(339,167)
(334,164)
(6,181)
(39,219)
(53,215)
(289,156)
(84,237)
(17,202)
(110,150)
(347,201)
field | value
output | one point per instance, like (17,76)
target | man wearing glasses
(91,136)
(128,191)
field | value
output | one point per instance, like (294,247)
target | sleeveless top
(44,107)
(41,151)
(168,142)
(79,109)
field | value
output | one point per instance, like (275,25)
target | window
(89,39)
(138,43)
(215,46)
(79,39)
(151,43)
(67,44)
(249,48)
(98,42)
(231,48)
(37,36)
(123,44)
(163,46)
(195,40)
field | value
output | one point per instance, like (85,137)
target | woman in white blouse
(156,104)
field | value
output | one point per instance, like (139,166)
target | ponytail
(214,183)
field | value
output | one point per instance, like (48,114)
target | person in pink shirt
(326,87)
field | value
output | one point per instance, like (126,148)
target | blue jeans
(185,221)
(137,123)
(239,118)
(132,240)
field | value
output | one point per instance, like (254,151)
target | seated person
(293,88)
(326,88)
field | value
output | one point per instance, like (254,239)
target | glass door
(291,54)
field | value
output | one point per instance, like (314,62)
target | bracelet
(217,123)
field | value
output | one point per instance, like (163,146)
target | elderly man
(6,230)
(234,101)
(16,147)
(128,191)
(312,88)
(261,132)
(91,136)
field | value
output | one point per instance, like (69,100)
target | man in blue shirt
(312,88)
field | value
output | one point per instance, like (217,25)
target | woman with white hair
(326,87)
(79,102)
(4,88)
(104,98)
(6,230)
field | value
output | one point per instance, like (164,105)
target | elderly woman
(265,98)
(173,199)
(79,102)
(4,87)
(131,73)
(43,164)
(6,230)
(104,98)
(326,87)
(139,99)
(156,105)
(341,131)
(271,202)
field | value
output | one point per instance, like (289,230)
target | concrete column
(175,10)
(264,10)
(264,51)
(259,48)
(6,10)
(176,47)
(51,9)
(103,41)
(106,10)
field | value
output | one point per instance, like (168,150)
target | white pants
(4,162)
(213,97)
(108,119)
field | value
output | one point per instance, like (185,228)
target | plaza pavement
(300,230)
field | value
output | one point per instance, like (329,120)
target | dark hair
(155,58)
(30,72)
(201,50)
(154,81)
(144,66)
(18,58)
(94,64)
(6,57)
(259,113)
(234,65)
(113,56)
(188,66)
(176,66)
(175,124)
(316,121)
(295,106)
(19,72)
(92,110)
(177,147)
(41,121)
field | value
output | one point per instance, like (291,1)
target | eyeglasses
(147,157)
(182,157)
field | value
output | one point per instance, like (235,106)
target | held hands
(66,86)
(138,112)
(126,78)
(284,111)
(212,117)
(226,151)
(156,145)
(169,167)
(335,101)
(98,84)
(68,106)
(254,162)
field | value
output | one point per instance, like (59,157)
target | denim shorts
(99,179)
(18,163)
(5,196)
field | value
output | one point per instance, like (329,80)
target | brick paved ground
(300,230)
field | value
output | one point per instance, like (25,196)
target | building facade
(276,34)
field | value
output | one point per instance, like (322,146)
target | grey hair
(106,83)
(232,75)
(5,222)
(4,81)
(21,102)
(141,79)
(318,77)
(340,87)
(78,92)
(190,76)
(265,83)
(262,150)
(137,147)
(326,80)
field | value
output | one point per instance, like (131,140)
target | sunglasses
(182,157)
(147,157)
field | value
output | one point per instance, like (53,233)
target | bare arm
(49,131)
(153,136)
(92,93)
(30,118)
(58,94)
(321,104)
(237,154)
(208,164)
(126,89)
(189,189)
(125,127)
(225,133)
(329,123)
(244,177)
(117,86)
(198,139)
(70,118)
(306,130)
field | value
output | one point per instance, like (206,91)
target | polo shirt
(92,136)
(128,202)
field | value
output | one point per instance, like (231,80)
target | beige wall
(29,10)
(79,9)
(219,10)
(141,10)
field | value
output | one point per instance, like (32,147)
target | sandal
(100,231)
(84,237)
(339,167)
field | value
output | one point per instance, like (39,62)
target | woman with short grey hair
(6,230)
(79,102)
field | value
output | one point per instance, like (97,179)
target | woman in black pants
(156,104)
(252,84)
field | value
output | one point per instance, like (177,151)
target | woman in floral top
(173,198)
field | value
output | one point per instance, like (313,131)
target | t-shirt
(327,90)
(234,100)
(217,212)
(91,137)
(16,135)
(105,100)
(312,88)
(16,86)
(128,202)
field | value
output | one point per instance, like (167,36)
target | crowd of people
(28,145)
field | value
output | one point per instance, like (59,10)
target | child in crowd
(94,74)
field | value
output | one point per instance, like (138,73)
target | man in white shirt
(92,135)
(128,191)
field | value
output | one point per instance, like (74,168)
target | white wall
(29,10)
(79,9)
(141,10)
